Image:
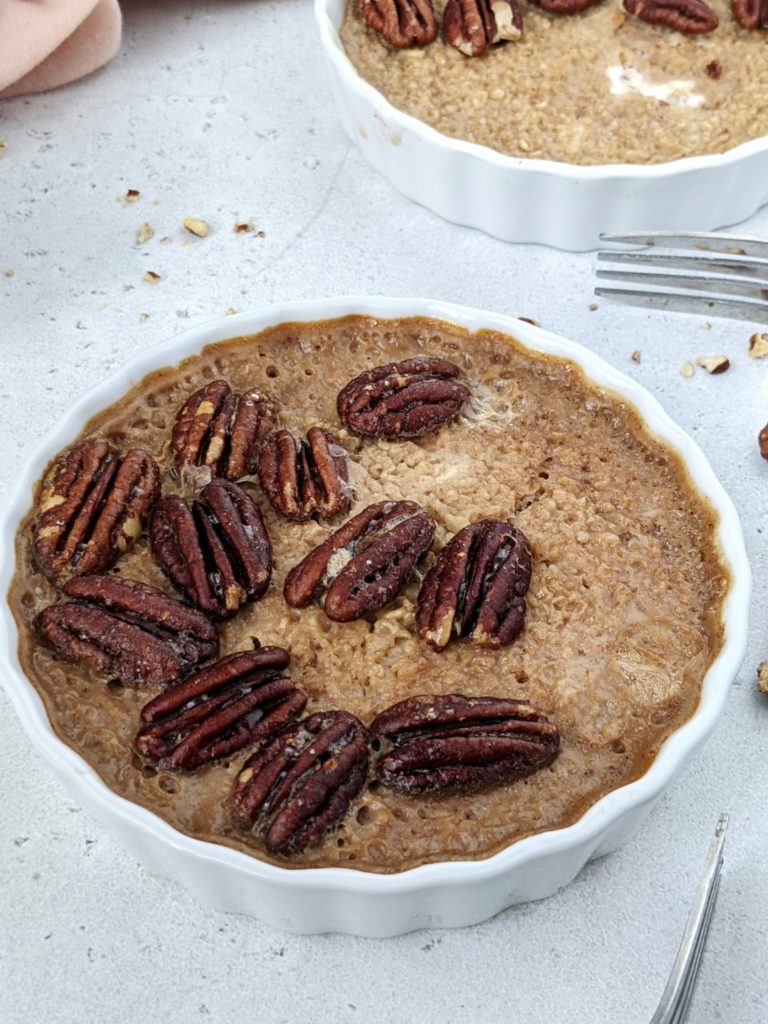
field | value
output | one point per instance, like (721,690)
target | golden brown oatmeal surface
(553,94)
(623,609)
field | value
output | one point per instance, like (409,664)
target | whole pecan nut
(474,25)
(402,23)
(222,432)
(457,742)
(93,505)
(750,14)
(128,630)
(476,587)
(365,564)
(405,399)
(217,551)
(305,478)
(299,786)
(240,700)
(690,16)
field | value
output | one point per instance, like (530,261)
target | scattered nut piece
(151,277)
(143,317)
(261,234)
(529,320)
(686,370)
(758,345)
(593,306)
(9,272)
(636,357)
(129,197)
(762,676)
(196,226)
(714,69)
(713,364)
(705,326)
(2,147)
(762,440)
(165,240)
(242,227)
(144,233)
(229,312)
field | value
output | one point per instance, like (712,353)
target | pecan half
(301,785)
(240,700)
(305,478)
(402,23)
(474,25)
(221,431)
(93,505)
(691,16)
(128,630)
(750,13)
(365,563)
(448,742)
(217,551)
(476,587)
(405,399)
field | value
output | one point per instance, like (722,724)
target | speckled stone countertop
(221,111)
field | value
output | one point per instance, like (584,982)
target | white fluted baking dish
(529,200)
(341,899)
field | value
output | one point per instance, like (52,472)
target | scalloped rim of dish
(331,41)
(673,753)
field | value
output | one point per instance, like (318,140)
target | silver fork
(723,265)
(677,995)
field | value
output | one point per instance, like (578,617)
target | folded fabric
(46,43)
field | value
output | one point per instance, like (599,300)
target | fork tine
(730,286)
(702,240)
(700,305)
(679,988)
(704,263)
(689,982)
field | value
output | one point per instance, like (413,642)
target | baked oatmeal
(623,607)
(596,87)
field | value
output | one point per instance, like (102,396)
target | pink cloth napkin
(45,43)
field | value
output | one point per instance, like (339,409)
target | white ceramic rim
(674,752)
(331,42)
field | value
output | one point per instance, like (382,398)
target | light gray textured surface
(221,111)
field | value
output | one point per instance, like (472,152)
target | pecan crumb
(261,234)
(144,233)
(529,320)
(762,676)
(2,147)
(9,272)
(592,307)
(758,345)
(636,357)
(714,69)
(196,226)
(762,440)
(151,277)
(143,317)
(686,370)
(229,312)
(713,364)
(705,325)
(165,240)
(242,227)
